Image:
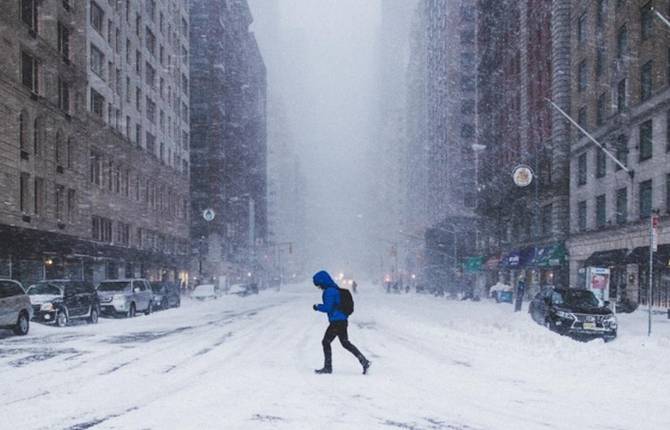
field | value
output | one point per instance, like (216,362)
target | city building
(228,140)
(84,197)
(523,229)
(443,155)
(620,67)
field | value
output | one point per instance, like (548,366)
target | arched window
(38,136)
(23,131)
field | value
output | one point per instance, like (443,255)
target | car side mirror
(607,303)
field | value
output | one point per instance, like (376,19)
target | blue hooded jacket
(330,297)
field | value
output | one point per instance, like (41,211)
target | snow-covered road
(247,363)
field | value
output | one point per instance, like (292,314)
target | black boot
(325,370)
(365,363)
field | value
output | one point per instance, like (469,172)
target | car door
(70,299)
(148,292)
(5,306)
(83,300)
(89,297)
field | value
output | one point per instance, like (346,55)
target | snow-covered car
(573,312)
(60,301)
(15,309)
(243,289)
(205,292)
(125,297)
(166,295)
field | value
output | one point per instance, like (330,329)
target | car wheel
(164,304)
(131,311)
(61,319)
(22,324)
(178,303)
(93,318)
(549,325)
(149,308)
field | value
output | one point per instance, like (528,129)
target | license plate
(589,326)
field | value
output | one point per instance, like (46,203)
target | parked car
(60,301)
(243,289)
(125,297)
(15,309)
(166,295)
(574,312)
(205,292)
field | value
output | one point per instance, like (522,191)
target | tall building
(85,198)
(228,157)
(620,67)
(523,230)
(441,157)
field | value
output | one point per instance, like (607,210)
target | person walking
(338,322)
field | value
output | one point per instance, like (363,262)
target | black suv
(59,301)
(166,294)
(574,312)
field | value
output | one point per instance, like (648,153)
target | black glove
(315,307)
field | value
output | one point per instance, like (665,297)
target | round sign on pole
(208,215)
(522,175)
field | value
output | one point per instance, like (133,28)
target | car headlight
(611,321)
(566,315)
(47,307)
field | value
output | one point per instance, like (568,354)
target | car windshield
(156,288)
(113,286)
(581,298)
(205,289)
(44,289)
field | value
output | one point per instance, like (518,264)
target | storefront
(660,293)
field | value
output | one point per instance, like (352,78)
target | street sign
(208,214)
(522,175)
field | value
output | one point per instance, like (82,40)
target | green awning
(550,256)
(473,264)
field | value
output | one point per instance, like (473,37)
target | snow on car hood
(39,299)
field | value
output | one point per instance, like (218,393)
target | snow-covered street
(247,363)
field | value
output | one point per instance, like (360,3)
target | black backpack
(346,302)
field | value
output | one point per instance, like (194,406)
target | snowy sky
(321,62)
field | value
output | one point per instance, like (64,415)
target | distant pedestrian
(338,310)
(354,287)
(520,291)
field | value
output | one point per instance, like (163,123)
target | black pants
(338,329)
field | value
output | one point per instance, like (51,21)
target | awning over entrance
(640,255)
(609,258)
(473,264)
(549,256)
(518,258)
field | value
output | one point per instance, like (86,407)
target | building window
(138,63)
(97,104)
(184,84)
(97,61)
(646,21)
(601,163)
(667,131)
(23,131)
(64,41)
(39,196)
(96,167)
(467,131)
(150,74)
(622,206)
(601,109)
(184,27)
(138,99)
(151,144)
(621,151)
(69,153)
(646,194)
(60,201)
(63,95)
(621,96)
(71,204)
(646,80)
(30,72)
(60,150)
(582,76)
(151,9)
(24,192)
(581,29)
(601,211)
(600,61)
(151,110)
(29,13)
(581,215)
(39,136)
(122,234)
(667,193)
(138,134)
(621,42)
(581,169)
(101,229)
(646,143)
(546,218)
(581,118)
(97,17)
(150,41)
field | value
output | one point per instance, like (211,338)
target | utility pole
(653,247)
(661,17)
